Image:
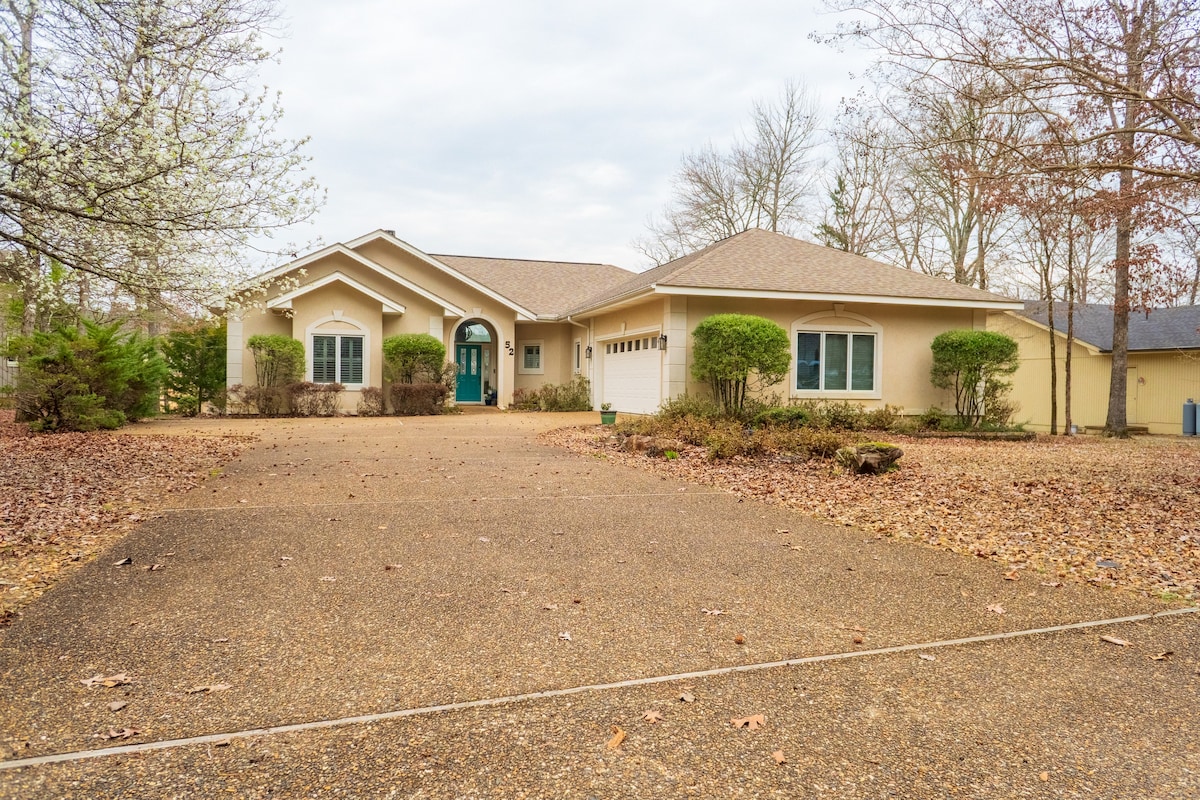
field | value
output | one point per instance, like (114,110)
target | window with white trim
(530,355)
(837,354)
(835,361)
(578,356)
(337,358)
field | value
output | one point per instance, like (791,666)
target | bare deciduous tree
(762,182)
(1118,78)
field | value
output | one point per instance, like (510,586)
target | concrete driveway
(442,607)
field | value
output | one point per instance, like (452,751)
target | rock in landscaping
(868,459)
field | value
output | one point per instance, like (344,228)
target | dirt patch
(70,495)
(1123,513)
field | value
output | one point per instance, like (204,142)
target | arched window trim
(827,321)
(360,330)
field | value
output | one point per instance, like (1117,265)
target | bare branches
(764,181)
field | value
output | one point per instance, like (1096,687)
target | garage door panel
(632,376)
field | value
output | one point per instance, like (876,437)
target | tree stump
(868,459)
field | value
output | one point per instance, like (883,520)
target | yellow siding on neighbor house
(1158,382)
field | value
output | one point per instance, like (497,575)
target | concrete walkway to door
(353,567)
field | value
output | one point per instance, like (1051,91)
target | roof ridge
(530,260)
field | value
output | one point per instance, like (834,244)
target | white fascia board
(891,300)
(285,300)
(342,249)
(617,302)
(523,314)
(1091,348)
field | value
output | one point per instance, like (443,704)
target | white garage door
(633,375)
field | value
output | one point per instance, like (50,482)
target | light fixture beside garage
(662,341)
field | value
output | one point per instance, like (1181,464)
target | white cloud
(529,129)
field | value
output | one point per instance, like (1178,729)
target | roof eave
(1092,347)
(839,297)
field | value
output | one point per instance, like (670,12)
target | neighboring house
(860,330)
(1163,366)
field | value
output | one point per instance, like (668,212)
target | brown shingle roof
(758,260)
(543,287)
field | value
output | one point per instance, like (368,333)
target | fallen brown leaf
(780,759)
(753,722)
(209,688)
(1163,656)
(996,608)
(119,733)
(107,682)
(1116,641)
(652,716)
(117,705)
(687,697)
(618,736)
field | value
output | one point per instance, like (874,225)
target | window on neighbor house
(337,359)
(835,361)
(578,356)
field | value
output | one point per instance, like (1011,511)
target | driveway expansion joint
(215,738)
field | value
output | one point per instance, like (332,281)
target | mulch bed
(1121,513)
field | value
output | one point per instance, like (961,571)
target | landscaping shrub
(418,399)
(881,419)
(314,399)
(690,405)
(781,417)
(933,419)
(370,402)
(278,359)
(72,381)
(573,396)
(195,367)
(524,400)
(965,360)
(413,358)
(738,352)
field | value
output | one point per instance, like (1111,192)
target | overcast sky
(544,129)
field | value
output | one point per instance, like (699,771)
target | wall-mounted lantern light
(662,342)
(587,351)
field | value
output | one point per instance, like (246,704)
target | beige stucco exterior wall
(421,315)
(904,337)
(1158,383)
(557,340)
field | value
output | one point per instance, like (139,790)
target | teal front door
(468,387)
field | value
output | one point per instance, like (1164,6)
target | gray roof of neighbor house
(766,262)
(547,288)
(1158,329)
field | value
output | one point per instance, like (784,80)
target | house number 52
(508,346)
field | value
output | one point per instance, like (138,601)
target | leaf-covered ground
(1084,509)
(67,496)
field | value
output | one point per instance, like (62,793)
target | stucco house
(1163,364)
(860,329)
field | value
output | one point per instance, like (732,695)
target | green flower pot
(608,417)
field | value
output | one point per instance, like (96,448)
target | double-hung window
(337,359)
(835,361)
